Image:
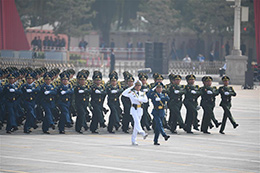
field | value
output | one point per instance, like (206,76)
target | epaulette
(197,86)
(119,84)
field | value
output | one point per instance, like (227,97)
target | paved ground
(237,151)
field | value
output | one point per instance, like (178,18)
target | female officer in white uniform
(137,98)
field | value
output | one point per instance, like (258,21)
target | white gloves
(209,92)
(193,92)
(29,90)
(47,92)
(12,90)
(176,91)
(226,93)
(97,92)
(113,91)
(145,90)
(157,99)
(81,91)
(154,88)
(63,92)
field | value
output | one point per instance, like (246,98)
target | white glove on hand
(193,92)
(113,91)
(154,88)
(145,90)
(176,91)
(47,92)
(63,92)
(157,99)
(29,90)
(209,92)
(226,93)
(81,91)
(97,92)
(12,90)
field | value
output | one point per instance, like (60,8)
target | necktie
(138,93)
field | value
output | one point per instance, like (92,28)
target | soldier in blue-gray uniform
(81,91)
(47,95)
(64,91)
(98,94)
(159,100)
(114,91)
(29,93)
(11,94)
(1,99)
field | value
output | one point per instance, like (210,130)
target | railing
(176,67)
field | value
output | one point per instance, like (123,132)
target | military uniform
(137,99)
(127,118)
(64,100)
(208,95)
(11,94)
(81,103)
(29,94)
(226,93)
(159,101)
(47,95)
(146,120)
(192,93)
(175,93)
(114,93)
(98,94)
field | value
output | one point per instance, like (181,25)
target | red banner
(12,36)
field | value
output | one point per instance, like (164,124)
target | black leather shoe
(125,131)
(86,128)
(166,137)
(148,128)
(62,132)
(103,125)
(206,132)
(190,132)
(80,132)
(174,132)
(218,124)
(28,132)
(235,126)
(221,132)
(196,128)
(8,132)
(53,126)
(14,129)
(111,132)
(46,132)
(35,127)
(156,143)
(94,132)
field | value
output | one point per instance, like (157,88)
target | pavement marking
(174,163)
(76,164)
(64,151)
(4,170)
(117,157)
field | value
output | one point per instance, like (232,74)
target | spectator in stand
(50,43)
(83,45)
(129,44)
(243,48)
(139,45)
(211,56)
(112,44)
(187,59)
(201,58)
(45,43)
(34,43)
(112,61)
(63,43)
(39,43)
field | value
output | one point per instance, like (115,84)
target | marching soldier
(11,94)
(137,98)
(175,92)
(98,94)
(47,95)
(146,118)
(81,92)
(192,93)
(226,93)
(114,91)
(208,95)
(29,93)
(127,118)
(64,91)
(159,100)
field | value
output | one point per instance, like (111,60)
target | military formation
(30,97)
